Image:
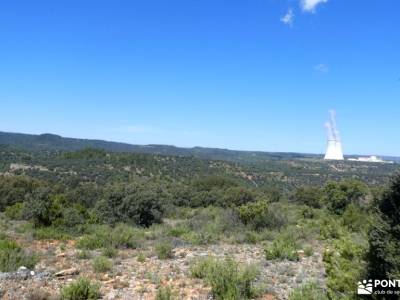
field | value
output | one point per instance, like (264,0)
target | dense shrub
(330,227)
(41,208)
(218,191)
(125,236)
(255,214)
(83,254)
(310,196)
(81,289)
(357,219)
(228,280)
(284,247)
(12,256)
(109,252)
(51,233)
(206,198)
(211,182)
(135,204)
(85,194)
(338,195)
(72,216)
(259,215)
(14,189)
(164,293)
(384,237)
(344,265)
(209,224)
(236,196)
(102,264)
(163,250)
(15,212)
(102,236)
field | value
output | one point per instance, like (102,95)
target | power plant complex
(334,150)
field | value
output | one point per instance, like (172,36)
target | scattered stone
(23,274)
(67,272)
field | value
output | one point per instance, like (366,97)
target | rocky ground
(132,278)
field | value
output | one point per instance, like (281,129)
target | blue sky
(251,75)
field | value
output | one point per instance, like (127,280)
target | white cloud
(288,18)
(322,68)
(310,5)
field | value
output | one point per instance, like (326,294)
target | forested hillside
(51,142)
(171,226)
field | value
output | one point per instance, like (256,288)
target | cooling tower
(334,150)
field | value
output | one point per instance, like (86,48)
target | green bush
(14,189)
(356,219)
(255,214)
(109,252)
(164,293)
(308,251)
(384,237)
(91,242)
(12,256)
(260,215)
(102,264)
(72,217)
(122,236)
(310,196)
(178,231)
(213,182)
(141,258)
(284,247)
(210,223)
(338,195)
(82,289)
(164,250)
(125,236)
(330,228)
(236,196)
(42,207)
(228,280)
(344,265)
(51,233)
(136,204)
(83,254)
(15,212)
(309,291)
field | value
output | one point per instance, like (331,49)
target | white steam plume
(335,131)
(328,127)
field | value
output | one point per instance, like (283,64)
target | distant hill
(51,142)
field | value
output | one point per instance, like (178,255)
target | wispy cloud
(322,68)
(288,18)
(310,5)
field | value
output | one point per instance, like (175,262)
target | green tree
(39,208)
(338,195)
(310,196)
(14,189)
(139,204)
(236,196)
(384,237)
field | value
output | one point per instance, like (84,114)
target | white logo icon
(365,288)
